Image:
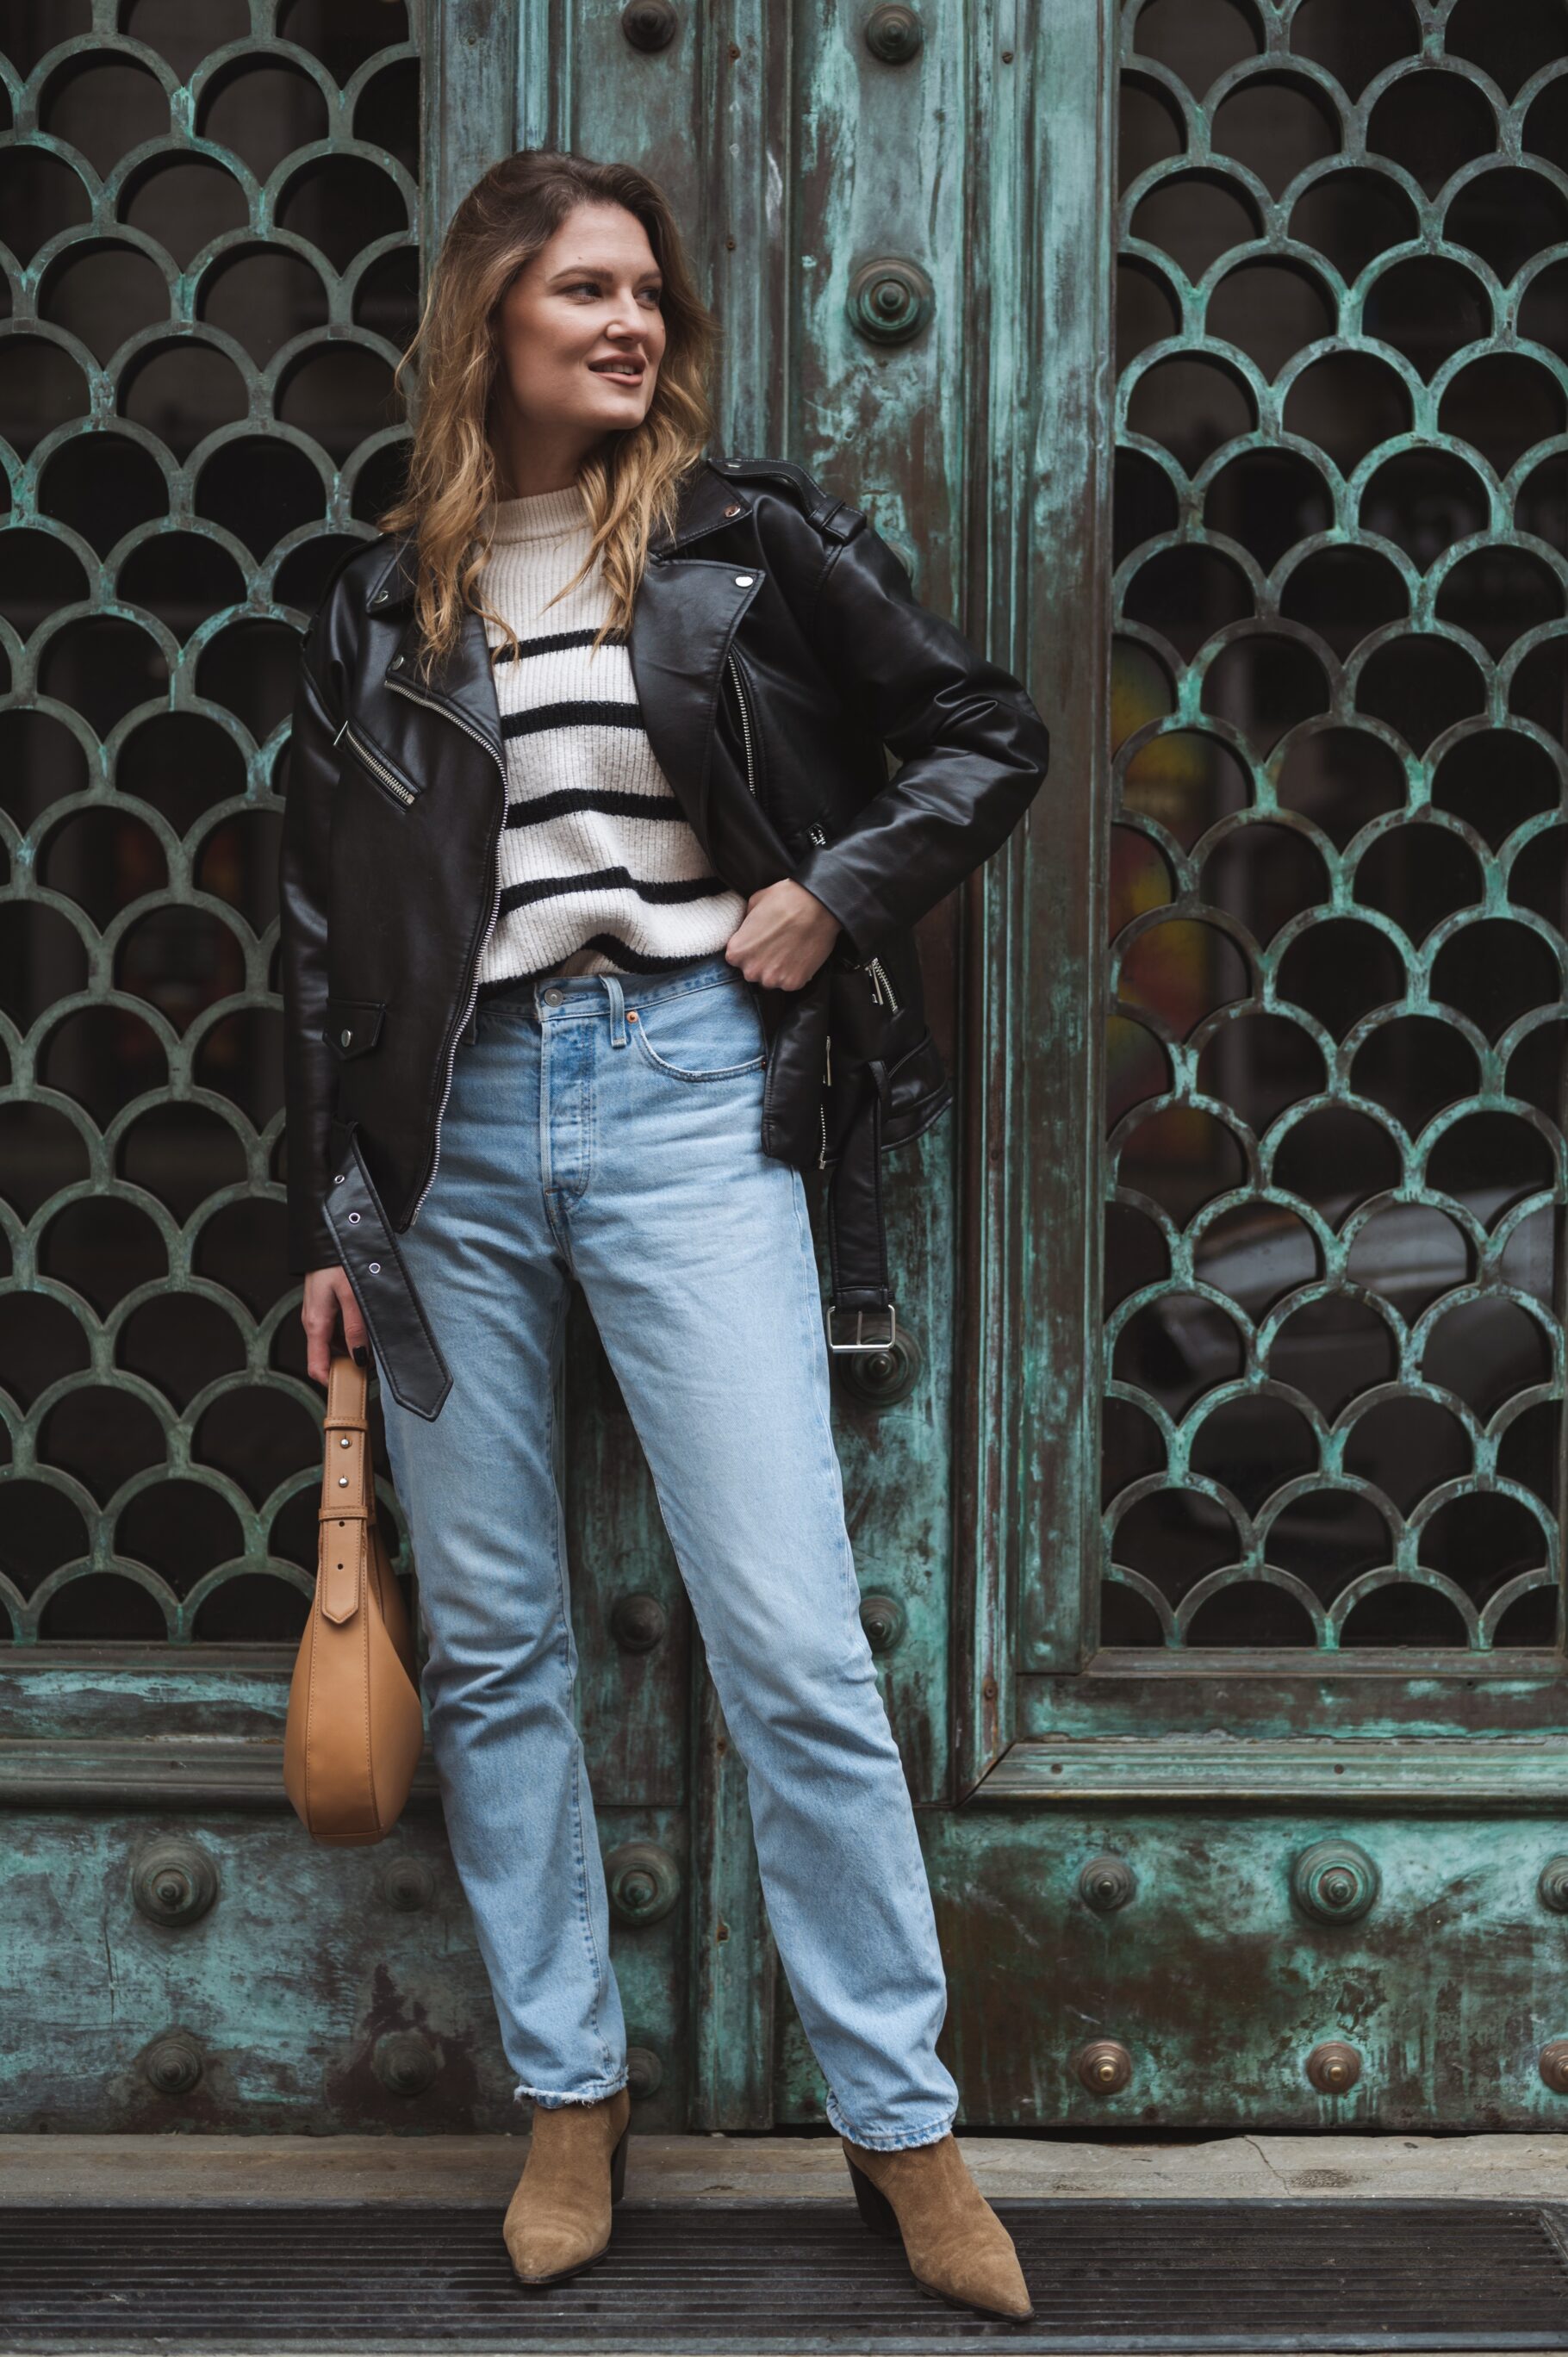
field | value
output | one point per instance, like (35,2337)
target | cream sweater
(599,867)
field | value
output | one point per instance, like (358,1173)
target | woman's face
(580,330)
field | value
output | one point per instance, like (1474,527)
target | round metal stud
(397,663)
(638,1622)
(172,2063)
(884,1620)
(744,580)
(375,1268)
(381,597)
(344,1037)
(894,35)
(650,25)
(338,1179)
(1552,1889)
(890,299)
(643,1881)
(880,1379)
(644,2072)
(343,1441)
(403,2063)
(342,1480)
(733,508)
(1103,2066)
(1333,2067)
(1107,1883)
(408,1885)
(174,1881)
(1335,1882)
(1554,2065)
(353,1219)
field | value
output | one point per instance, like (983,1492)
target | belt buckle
(883,1343)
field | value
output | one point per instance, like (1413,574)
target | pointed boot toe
(558,2221)
(958,2251)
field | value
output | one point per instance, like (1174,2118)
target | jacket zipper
(880,985)
(378,769)
(745,723)
(474,970)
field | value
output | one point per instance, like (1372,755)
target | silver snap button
(733,508)
(338,1179)
(380,597)
(744,580)
(397,663)
(353,1219)
(375,1268)
(345,1036)
(732,462)
(342,1480)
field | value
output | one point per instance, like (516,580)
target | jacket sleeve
(308,1067)
(973,747)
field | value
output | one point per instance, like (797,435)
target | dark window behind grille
(215,239)
(1336,915)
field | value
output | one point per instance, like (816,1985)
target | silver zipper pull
(340,730)
(880,984)
(828,1057)
(816,835)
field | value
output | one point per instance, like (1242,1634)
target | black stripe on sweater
(581,712)
(641,960)
(534,810)
(601,879)
(606,945)
(553,643)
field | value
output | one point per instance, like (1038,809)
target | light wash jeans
(607,1127)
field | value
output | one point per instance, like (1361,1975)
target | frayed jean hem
(547,2099)
(889,2140)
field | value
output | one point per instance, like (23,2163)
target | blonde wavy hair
(629,482)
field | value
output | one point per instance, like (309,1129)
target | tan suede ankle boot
(558,2221)
(957,2246)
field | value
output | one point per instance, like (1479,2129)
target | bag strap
(348,1493)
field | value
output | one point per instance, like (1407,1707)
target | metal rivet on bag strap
(342,1480)
(345,1442)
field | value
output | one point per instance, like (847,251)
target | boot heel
(617,2167)
(874,2205)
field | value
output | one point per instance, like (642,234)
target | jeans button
(552,999)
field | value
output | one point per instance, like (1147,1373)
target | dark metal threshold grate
(1106,2275)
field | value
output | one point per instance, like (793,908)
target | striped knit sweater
(599,867)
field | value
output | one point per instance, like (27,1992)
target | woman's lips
(617,371)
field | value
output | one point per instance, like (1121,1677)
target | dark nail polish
(362,1356)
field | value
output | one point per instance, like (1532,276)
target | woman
(569,908)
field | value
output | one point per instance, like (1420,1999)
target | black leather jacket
(776,647)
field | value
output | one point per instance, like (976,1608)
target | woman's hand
(783,937)
(326,1292)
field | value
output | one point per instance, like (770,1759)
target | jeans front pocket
(712,1034)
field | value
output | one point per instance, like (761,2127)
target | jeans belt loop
(618,1009)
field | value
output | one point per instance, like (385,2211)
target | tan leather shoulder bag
(354,1730)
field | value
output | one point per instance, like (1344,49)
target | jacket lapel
(686,612)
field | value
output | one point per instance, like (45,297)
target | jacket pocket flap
(353,1024)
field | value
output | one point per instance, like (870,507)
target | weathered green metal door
(1207,359)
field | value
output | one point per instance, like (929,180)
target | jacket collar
(703,504)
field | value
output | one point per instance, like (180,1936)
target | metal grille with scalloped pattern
(1337,926)
(210,217)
